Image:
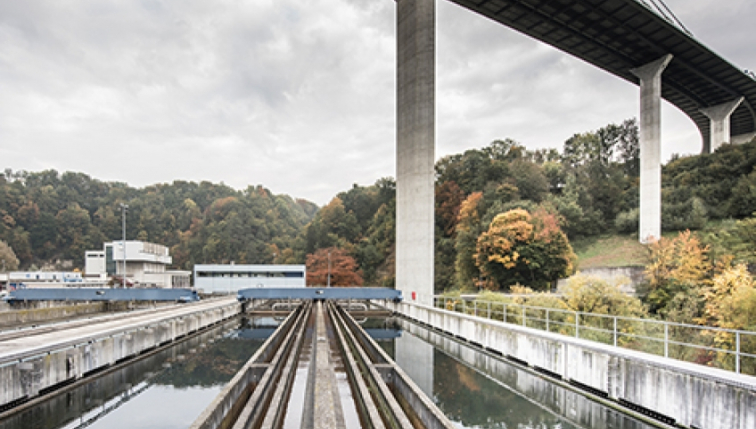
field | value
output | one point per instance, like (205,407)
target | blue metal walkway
(102,294)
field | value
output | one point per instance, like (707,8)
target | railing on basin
(728,349)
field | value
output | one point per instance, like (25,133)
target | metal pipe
(737,352)
(124,209)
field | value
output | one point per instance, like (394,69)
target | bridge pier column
(650,147)
(719,116)
(415,148)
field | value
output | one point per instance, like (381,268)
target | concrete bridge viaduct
(623,37)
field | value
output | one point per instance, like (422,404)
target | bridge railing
(722,348)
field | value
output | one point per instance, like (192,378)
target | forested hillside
(504,214)
(579,191)
(47,216)
(588,188)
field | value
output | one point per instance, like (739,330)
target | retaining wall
(34,373)
(15,316)
(633,276)
(687,394)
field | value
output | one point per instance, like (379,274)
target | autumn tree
(590,294)
(731,299)
(449,198)
(468,229)
(524,248)
(336,262)
(731,304)
(677,270)
(8,259)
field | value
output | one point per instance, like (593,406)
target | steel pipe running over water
(320,369)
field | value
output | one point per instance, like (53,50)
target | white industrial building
(231,278)
(146,265)
(45,276)
(41,279)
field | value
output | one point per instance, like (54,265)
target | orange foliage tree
(343,268)
(520,247)
(467,230)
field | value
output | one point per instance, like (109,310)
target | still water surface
(170,389)
(479,391)
(167,390)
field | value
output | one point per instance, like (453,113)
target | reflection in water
(475,401)
(475,390)
(166,390)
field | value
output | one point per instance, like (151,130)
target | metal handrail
(619,331)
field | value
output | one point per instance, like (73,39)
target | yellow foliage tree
(678,265)
(590,294)
(731,304)
(731,299)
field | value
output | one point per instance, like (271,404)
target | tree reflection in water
(476,401)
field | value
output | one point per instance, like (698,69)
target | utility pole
(124,209)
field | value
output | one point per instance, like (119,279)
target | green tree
(73,228)
(736,239)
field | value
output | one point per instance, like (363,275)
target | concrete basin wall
(37,372)
(13,316)
(694,396)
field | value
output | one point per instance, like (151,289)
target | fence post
(737,352)
(475,307)
(666,339)
(523,316)
(615,331)
(577,325)
(547,321)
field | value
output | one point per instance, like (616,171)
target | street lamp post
(124,209)
(329,269)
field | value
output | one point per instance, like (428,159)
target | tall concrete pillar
(415,148)
(719,117)
(650,147)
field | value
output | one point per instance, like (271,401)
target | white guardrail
(723,348)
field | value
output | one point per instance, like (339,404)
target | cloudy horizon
(296,96)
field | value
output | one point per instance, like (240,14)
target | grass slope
(609,251)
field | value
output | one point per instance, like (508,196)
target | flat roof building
(231,278)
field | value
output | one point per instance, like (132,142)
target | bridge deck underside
(619,35)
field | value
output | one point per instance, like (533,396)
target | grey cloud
(298,96)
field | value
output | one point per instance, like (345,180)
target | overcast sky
(298,96)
